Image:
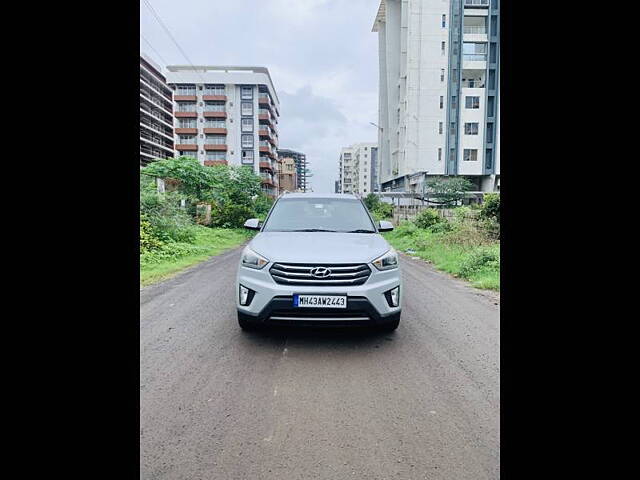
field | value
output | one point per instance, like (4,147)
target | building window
(440,128)
(452,128)
(441,101)
(187,123)
(214,90)
(216,140)
(454,101)
(187,140)
(247,141)
(216,155)
(186,107)
(439,154)
(442,47)
(444,21)
(471,128)
(185,90)
(472,102)
(474,52)
(247,125)
(247,108)
(215,123)
(246,93)
(247,157)
(470,155)
(442,74)
(214,107)
(188,153)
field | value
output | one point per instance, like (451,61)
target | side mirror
(252,224)
(385,226)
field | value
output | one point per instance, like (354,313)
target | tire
(245,324)
(391,326)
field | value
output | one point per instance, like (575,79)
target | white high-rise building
(227,115)
(439,92)
(358,169)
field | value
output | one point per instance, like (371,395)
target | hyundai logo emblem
(320,272)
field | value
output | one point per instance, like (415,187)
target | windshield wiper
(361,231)
(312,230)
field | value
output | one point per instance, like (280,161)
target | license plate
(320,301)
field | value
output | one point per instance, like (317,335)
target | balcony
(215,147)
(187,131)
(185,98)
(218,131)
(266,165)
(264,99)
(211,163)
(214,98)
(186,147)
(212,114)
(185,114)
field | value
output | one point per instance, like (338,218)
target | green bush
(169,251)
(491,206)
(486,258)
(426,218)
(229,215)
(441,227)
(383,211)
(405,229)
(148,241)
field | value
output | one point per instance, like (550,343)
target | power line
(160,56)
(166,29)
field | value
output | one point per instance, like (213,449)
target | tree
(491,206)
(371,201)
(448,191)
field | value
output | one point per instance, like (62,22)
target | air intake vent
(320,274)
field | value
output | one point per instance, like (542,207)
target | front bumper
(273,303)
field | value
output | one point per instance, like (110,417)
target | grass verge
(479,264)
(175,257)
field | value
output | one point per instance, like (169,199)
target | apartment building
(303,174)
(156,113)
(357,168)
(227,115)
(287,175)
(439,92)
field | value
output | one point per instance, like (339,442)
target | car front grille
(339,274)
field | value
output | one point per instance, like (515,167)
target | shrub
(169,251)
(148,241)
(405,229)
(485,258)
(426,218)
(383,211)
(371,201)
(491,206)
(229,215)
(441,227)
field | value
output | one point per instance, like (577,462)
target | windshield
(318,215)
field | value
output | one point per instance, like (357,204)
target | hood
(319,247)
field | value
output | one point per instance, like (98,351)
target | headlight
(252,260)
(387,261)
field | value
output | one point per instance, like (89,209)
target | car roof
(319,195)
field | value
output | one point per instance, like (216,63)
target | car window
(335,214)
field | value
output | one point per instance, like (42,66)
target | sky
(321,54)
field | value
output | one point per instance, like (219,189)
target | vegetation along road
(421,403)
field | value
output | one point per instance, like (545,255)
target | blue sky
(322,56)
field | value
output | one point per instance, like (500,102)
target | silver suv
(319,260)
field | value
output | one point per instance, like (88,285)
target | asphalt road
(218,403)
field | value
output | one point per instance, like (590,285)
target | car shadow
(335,337)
